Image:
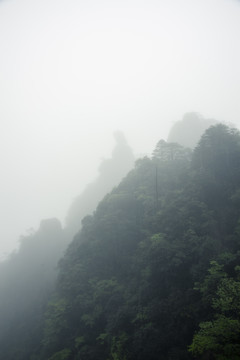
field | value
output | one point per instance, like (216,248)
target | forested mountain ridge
(28,276)
(135,284)
(154,272)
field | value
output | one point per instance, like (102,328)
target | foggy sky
(72,72)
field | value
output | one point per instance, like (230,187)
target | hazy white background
(73,71)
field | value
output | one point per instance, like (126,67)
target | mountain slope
(127,284)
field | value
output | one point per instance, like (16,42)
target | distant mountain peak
(188,131)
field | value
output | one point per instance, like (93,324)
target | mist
(72,73)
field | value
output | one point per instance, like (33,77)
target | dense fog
(74,72)
(120,180)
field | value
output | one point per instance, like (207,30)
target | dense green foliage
(127,285)
(221,335)
(154,272)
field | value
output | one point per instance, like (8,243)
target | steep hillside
(134,284)
(153,273)
(27,278)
